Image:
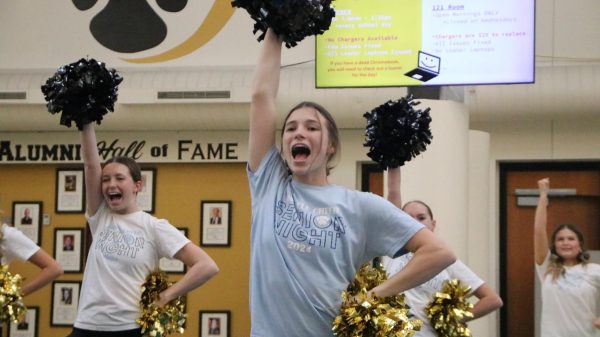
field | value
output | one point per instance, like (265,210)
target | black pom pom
(292,20)
(84,91)
(396,132)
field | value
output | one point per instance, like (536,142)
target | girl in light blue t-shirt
(309,237)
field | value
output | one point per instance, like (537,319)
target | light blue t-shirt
(307,244)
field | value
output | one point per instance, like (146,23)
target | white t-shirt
(125,249)
(419,297)
(15,245)
(572,302)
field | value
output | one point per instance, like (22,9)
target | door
(372,178)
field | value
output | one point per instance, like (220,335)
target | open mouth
(114,196)
(300,150)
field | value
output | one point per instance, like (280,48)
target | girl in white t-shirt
(127,246)
(570,284)
(419,297)
(15,245)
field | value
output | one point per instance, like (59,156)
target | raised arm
(393,184)
(201,268)
(92,169)
(430,257)
(264,92)
(540,236)
(50,270)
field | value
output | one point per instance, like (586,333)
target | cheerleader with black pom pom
(420,297)
(127,242)
(308,236)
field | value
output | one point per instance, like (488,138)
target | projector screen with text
(378,43)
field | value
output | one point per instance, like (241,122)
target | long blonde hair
(557,267)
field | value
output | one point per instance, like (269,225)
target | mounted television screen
(378,43)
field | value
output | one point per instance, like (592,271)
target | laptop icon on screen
(428,67)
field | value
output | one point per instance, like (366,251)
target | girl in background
(419,297)
(570,284)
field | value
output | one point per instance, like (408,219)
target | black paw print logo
(129,26)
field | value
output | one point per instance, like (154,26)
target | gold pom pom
(448,309)
(156,321)
(361,315)
(12,308)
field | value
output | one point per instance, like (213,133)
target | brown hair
(420,203)
(557,267)
(132,165)
(332,129)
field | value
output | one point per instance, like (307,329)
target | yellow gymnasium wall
(180,188)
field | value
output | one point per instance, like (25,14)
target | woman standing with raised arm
(128,244)
(570,284)
(309,237)
(419,297)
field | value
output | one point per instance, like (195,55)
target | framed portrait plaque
(65,299)
(68,245)
(28,327)
(215,223)
(214,323)
(69,191)
(27,217)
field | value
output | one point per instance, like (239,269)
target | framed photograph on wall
(214,323)
(27,217)
(145,197)
(69,191)
(68,245)
(65,299)
(215,218)
(28,327)
(173,265)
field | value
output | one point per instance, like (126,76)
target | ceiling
(567,85)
